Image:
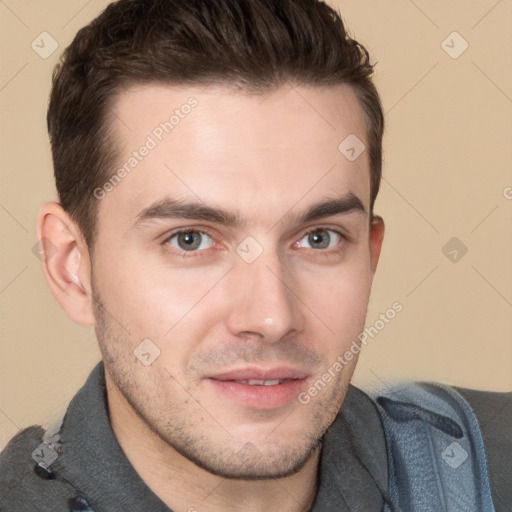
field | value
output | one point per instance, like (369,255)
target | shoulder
(21,489)
(493,411)
(481,417)
(16,463)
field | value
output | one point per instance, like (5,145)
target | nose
(263,302)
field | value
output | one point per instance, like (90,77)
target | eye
(190,240)
(320,239)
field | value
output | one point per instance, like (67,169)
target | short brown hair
(256,45)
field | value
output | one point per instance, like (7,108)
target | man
(223,244)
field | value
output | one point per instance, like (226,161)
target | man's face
(239,244)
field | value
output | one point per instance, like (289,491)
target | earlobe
(66,263)
(376,239)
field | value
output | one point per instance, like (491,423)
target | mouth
(259,382)
(259,388)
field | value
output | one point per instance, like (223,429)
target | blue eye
(320,239)
(190,240)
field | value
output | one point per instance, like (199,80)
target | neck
(184,486)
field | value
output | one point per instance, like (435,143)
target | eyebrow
(168,208)
(346,204)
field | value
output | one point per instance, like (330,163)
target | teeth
(258,382)
(255,382)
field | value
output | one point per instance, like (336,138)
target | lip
(259,397)
(253,372)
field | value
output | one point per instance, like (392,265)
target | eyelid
(323,228)
(188,229)
(336,229)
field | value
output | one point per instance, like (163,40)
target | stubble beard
(171,423)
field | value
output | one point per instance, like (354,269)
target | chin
(251,463)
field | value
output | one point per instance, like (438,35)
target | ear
(376,239)
(66,263)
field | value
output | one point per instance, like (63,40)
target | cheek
(339,295)
(156,301)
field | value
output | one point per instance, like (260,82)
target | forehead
(258,154)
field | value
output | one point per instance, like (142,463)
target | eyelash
(186,254)
(337,248)
(201,253)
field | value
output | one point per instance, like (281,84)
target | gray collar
(353,472)
(92,459)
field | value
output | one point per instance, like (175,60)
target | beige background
(447,174)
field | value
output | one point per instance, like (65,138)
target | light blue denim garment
(435,449)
